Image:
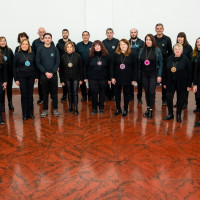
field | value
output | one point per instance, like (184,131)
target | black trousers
(139,89)
(98,87)
(9,90)
(64,89)
(83,89)
(197,99)
(110,91)
(163,89)
(72,89)
(181,96)
(40,86)
(149,83)
(49,86)
(1,96)
(26,89)
(126,93)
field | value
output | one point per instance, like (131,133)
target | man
(136,44)
(60,45)
(35,45)
(111,45)
(165,44)
(83,48)
(48,60)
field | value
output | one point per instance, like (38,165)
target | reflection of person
(71,74)
(96,71)
(177,77)
(3,82)
(8,57)
(151,66)
(123,73)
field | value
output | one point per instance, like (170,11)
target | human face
(180,40)
(97,47)
(148,41)
(65,35)
(198,44)
(47,40)
(109,34)
(22,38)
(133,33)
(85,37)
(69,48)
(24,45)
(123,47)
(3,42)
(178,51)
(159,30)
(41,32)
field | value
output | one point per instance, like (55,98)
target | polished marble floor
(89,157)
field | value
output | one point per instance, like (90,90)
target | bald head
(41,32)
(133,33)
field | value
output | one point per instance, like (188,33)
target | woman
(187,51)
(8,57)
(151,66)
(123,72)
(21,36)
(195,56)
(3,82)
(96,70)
(25,75)
(71,74)
(177,77)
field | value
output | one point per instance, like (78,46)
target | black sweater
(93,71)
(111,45)
(38,43)
(19,67)
(47,59)
(127,75)
(187,51)
(183,75)
(197,72)
(73,73)
(3,72)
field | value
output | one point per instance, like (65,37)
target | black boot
(196,124)
(178,117)
(169,116)
(10,105)
(146,113)
(150,116)
(3,108)
(75,110)
(117,112)
(70,103)
(125,112)
(1,120)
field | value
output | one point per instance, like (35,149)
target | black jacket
(197,72)
(3,72)
(183,75)
(73,73)
(136,46)
(111,45)
(187,51)
(19,66)
(129,73)
(93,71)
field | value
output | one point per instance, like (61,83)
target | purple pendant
(122,66)
(147,62)
(99,63)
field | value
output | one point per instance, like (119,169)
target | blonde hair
(29,46)
(118,50)
(178,45)
(67,43)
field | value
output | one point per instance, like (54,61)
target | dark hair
(159,24)
(182,34)
(154,45)
(104,51)
(47,34)
(194,54)
(85,32)
(109,29)
(65,30)
(118,50)
(2,37)
(23,34)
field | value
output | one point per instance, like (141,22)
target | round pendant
(27,63)
(99,63)
(122,66)
(173,69)
(70,65)
(5,58)
(147,62)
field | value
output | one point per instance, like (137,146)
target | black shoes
(196,124)
(24,117)
(140,101)
(146,114)
(117,112)
(40,101)
(10,105)
(64,98)
(178,118)
(124,114)
(84,98)
(30,116)
(69,110)
(94,111)
(168,117)
(150,116)
(101,111)
(1,121)
(75,110)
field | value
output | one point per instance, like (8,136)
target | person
(187,51)
(83,48)
(71,74)
(25,75)
(3,82)
(165,44)
(111,45)
(151,66)
(48,60)
(20,38)
(35,45)
(195,56)
(61,45)
(96,72)
(177,77)
(136,44)
(8,57)
(123,73)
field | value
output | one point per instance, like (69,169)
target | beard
(133,38)
(65,38)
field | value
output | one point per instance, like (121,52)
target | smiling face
(123,46)
(180,40)
(25,45)
(198,44)
(178,50)
(3,42)
(148,41)
(41,32)
(159,30)
(47,40)
(65,35)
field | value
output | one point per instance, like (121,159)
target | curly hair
(104,51)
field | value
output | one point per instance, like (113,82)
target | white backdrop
(97,15)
